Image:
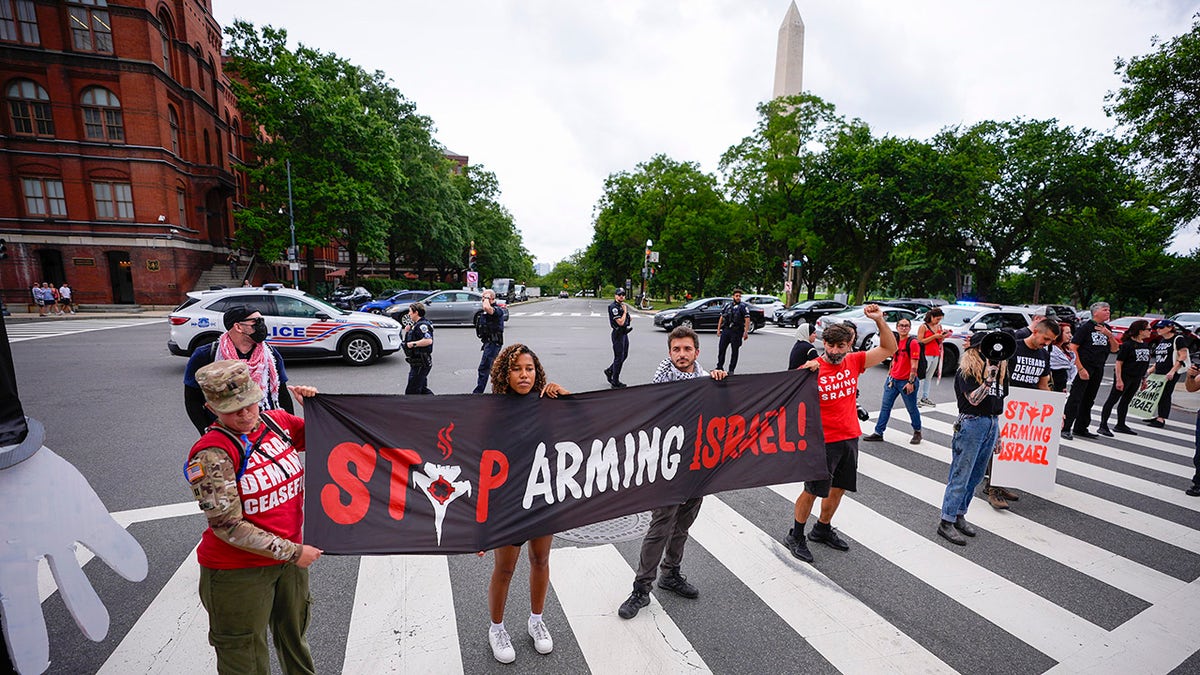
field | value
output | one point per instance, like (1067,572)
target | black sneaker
(1193,491)
(678,584)
(1067,435)
(798,547)
(873,437)
(1084,433)
(1103,431)
(829,537)
(608,374)
(963,526)
(639,598)
(1157,424)
(1123,429)
(618,385)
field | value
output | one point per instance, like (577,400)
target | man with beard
(244,338)
(839,368)
(669,525)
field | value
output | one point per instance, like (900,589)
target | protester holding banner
(901,381)
(839,368)
(247,476)
(517,372)
(619,328)
(1170,356)
(669,525)
(1133,360)
(979,390)
(1028,368)
(1062,360)
(1192,384)
(1093,342)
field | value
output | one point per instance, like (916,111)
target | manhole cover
(624,528)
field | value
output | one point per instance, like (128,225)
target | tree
(1160,105)
(501,251)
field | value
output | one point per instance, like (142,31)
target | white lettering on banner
(1028,457)
(649,455)
(1145,404)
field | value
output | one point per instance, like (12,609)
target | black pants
(663,545)
(418,376)
(490,351)
(729,338)
(1058,379)
(1082,398)
(620,343)
(1164,403)
(1121,398)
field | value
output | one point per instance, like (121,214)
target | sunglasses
(255,322)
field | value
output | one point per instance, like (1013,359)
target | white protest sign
(1145,404)
(1029,428)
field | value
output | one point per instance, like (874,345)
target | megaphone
(998,345)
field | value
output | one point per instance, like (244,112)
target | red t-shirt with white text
(838,386)
(902,362)
(272,496)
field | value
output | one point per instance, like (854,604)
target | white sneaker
(927,403)
(502,647)
(542,641)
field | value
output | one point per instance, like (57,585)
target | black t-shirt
(1134,358)
(1028,366)
(991,405)
(614,313)
(1164,353)
(734,317)
(1092,345)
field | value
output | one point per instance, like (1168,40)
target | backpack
(245,453)
(922,366)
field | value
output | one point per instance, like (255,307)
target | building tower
(789,57)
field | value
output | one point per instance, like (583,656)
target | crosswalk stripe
(576,313)
(21,332)
(405,624)
(1116,571)
(171,636)
(1114,478)
(1136,459)
(848,633)
(1186,447)
(1122,516)
(1038,622)
(590,584)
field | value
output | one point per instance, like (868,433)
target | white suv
(298,324)
(964,318)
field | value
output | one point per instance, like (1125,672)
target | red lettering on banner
(712,451)
(751,441)
(1020,452)
(354,484)
(493,471)
(764,434)
(784,444)
(801,422)
(402,460)
(733,438)
(695,465)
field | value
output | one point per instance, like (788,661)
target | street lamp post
(293,254)
(645,272)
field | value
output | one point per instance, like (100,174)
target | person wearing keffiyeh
(244,339)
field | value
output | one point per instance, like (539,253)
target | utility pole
(293,254)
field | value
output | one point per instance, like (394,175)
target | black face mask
(260,331)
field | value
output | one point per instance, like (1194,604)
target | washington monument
(789,57)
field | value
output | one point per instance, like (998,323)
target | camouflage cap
(227,385)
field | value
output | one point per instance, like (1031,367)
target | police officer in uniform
(491,331)
(618,322)
(418,350)
(733,327)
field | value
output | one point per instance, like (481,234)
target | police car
(298,324)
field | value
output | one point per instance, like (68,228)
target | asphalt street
(1110,562)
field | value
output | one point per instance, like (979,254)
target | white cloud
(553,96)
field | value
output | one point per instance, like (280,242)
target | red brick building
(118,138)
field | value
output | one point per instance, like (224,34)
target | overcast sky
(554,95)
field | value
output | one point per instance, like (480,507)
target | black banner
(459,474)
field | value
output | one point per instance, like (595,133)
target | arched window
(18,22)
(168,41)
(173,120)
(235,145)
(102,115)
(29,106)
(200,67)
(207,148)
(91,30)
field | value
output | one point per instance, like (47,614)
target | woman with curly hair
(518,372)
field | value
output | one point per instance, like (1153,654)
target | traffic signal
(472,257)
(565,281)
(3,249)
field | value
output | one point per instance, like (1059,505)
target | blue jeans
(930,371)
(972,445)
(490,351)
(891,389)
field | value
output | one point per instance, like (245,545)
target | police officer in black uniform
(489,329)
(418,350)
(619,322)
(733,327)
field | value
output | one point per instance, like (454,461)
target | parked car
(866,326)
(447,308)
(964,318)
(349,297)
(918,306)
(704,314)
(380,304)
(1120,325)
(807,311)
(769,304)
(563,295)
(1061,313)
(298,324)
(1189,320)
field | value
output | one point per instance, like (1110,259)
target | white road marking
(34,330)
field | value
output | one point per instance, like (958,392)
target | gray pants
(668,531)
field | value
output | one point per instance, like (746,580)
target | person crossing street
(619,328)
